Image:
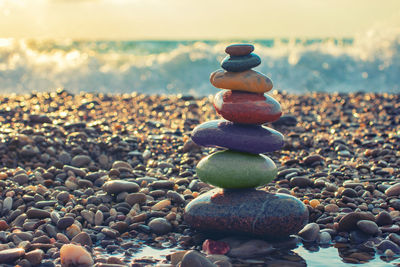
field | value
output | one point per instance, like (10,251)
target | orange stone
(248,81)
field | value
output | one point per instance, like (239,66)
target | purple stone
(252,139)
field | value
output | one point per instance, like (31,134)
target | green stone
(232,169)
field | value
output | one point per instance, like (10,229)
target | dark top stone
(241,63)
(247,211)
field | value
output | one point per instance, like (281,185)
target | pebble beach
(99,179)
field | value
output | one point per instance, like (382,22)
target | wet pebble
(35,257)
(21,178)
(387,244)
(393,190)
(160,226)
(64,157)
(10,255)
(83,239)
(324,238)
(300,181)
(349,221)
(80,161)
(250,249)
(7,204)
(368,227)
(395,238)
(34,213)
(384,218)
(161,205)
(65,222)
(175,197)
(98,217)
(331,208)
(162,184)
(193,258)
(310,232)
(309,160)
(135,198)
(118,186)
(73,255)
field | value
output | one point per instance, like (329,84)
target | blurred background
(172,46)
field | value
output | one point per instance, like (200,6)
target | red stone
(215,247)
(3,225)
(239,49)
(247,108)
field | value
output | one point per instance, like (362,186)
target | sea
(367,62)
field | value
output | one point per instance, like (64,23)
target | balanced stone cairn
(237,207)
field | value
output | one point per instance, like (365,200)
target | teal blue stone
(240,63)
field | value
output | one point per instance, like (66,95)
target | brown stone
(239,49)
(10,255)
(349,221)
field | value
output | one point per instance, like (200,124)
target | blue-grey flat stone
(240,63)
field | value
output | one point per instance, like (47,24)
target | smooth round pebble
(300,181)
(310,232)
(331,208)
(21,179)
(35,257)
(387,244)
(160,226)
(80,161)
(65,222)
(135,198)
(349,221)
(10,255)
(72,255)
(324,238)
(83,239)
(118,186)
(393,190)
(193,258)
(368,227)
(34,213)
(384,218)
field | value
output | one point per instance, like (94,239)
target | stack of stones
(236,207)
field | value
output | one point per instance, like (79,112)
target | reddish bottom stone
(247,211)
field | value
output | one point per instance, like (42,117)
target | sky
(191,19)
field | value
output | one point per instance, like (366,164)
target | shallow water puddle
(154,253)
(329,257)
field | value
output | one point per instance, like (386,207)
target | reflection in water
(308,255)
(332,256)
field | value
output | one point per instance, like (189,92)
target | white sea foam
(369,62)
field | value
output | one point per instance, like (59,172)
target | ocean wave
(369,62)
